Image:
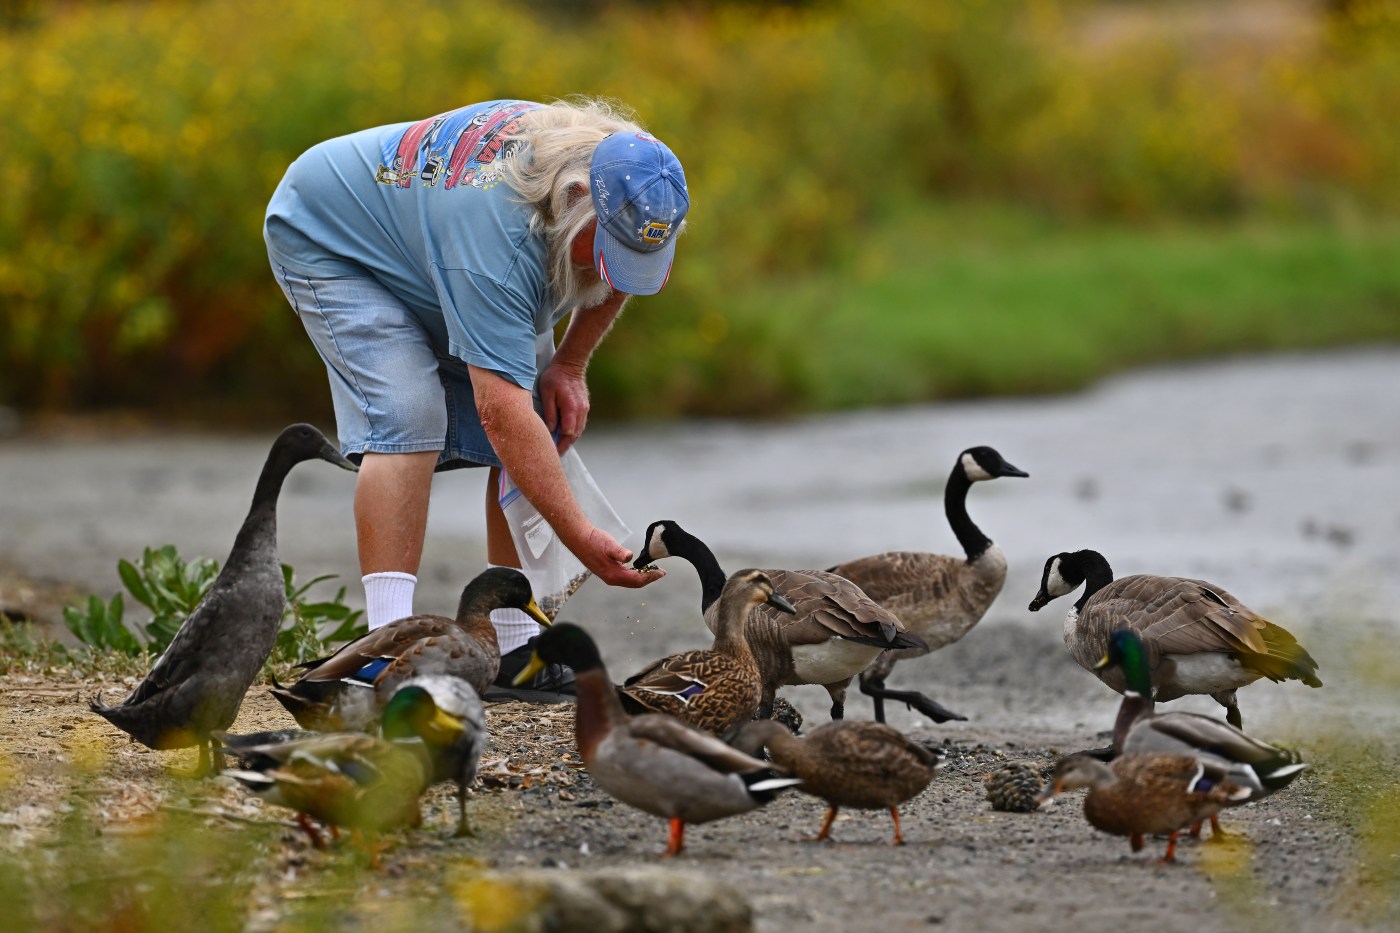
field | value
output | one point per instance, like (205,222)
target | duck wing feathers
(423,644)
(669,732)
(707,689)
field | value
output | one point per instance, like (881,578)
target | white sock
(514,627)
(388,596)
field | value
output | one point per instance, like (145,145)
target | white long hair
(550,171)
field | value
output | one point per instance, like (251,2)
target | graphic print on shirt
(462,147)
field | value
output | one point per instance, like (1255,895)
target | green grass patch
(978,301)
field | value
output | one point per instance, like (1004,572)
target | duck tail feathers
(765,785)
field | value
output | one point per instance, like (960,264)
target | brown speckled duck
(653,762)
(1199,638)
(197,685)
(347,689)
(938,597)
(834,635)
(866,765)
(717,688)
(1140,795)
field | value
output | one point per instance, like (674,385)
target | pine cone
(787,714)
(1014,787)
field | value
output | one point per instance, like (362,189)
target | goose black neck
(1097,574)
(683,544)
(973,541)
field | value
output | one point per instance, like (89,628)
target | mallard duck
(446,713)
(343,779)
(347,689)
(1246,761)
(834,635)
(719,687)
(1138,795)
(938,597)
(197,685)
(1199,638)
(866,765)
(653,762)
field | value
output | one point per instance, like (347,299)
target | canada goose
(1140,795)
(835,633)
(1199,638)
(866,765)
(1246,761)
(347,689)
(653,762)
(938,597)
(717,688)
(197,685)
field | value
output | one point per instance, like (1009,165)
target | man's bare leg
(391,519)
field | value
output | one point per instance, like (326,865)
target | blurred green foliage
(171,588)
(144,139)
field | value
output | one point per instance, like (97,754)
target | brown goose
(348,689)
(717,688)
(1140,795)
(866,765)
(938,597)
(1199,639)
(197,685)
(834,634)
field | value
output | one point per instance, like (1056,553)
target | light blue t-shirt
(422,208)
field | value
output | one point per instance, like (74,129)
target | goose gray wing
(828,605)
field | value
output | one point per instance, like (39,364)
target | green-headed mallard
(834,635)
(717,688)
(197,685)
(347,689)
(1246,761)
(653,762)
(1140,795)
(343,779)
(1199,638)
(446,713)
(938,597)
(866,765)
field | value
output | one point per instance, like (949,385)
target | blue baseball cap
(640,198)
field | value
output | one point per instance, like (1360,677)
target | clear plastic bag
(555,573)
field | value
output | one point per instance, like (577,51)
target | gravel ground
(1277,478)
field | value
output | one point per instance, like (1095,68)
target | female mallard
(938,597)
(347,689)
(1199,638)
(1138,795)
(717,688)
(1246,761)
(834,635)
(653,762)
(866,765)
(198,684)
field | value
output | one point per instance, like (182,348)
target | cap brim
(628,270)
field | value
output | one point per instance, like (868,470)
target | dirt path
(1278,478)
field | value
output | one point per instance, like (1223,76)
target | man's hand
(564,397)
(601,554)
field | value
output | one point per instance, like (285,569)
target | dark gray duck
(198,684)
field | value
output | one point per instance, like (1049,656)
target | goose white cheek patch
(973,469)
(1055,584)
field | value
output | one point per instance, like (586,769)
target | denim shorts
(395,387)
